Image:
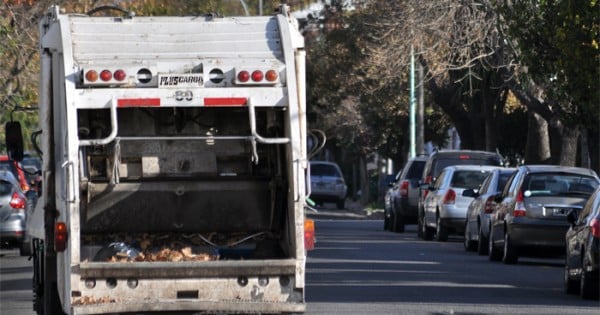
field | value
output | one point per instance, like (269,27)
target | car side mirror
(572,217)
(14,140)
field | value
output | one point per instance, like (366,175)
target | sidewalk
(353,211)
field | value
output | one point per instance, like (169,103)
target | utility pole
(412,102)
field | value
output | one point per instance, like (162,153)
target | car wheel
(482,244)
(341,204)
(469,244)
(386,222)
(589,282)
(510,251)
(426,231)
(25,248)
(420,224)
(398,224)
(441,233)
(494,253)
(571,286)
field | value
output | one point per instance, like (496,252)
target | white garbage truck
(174,165)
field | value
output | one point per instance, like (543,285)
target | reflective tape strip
(138,102)
(225,101)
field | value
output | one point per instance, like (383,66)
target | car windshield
(468,179)
(324,170)
(559,184)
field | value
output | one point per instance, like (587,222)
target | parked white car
(445,206)
(327,183)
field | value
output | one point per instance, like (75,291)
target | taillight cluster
(17,201)
(489,204)
(519,210)
(105,76)
(450,197)
(257,76)
(404,188)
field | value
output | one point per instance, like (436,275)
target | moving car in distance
(327,183)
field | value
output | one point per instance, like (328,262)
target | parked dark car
(477,226)
(582,260)
(404,197)
(437,161)
(531,210)
(445,204)
(14,207)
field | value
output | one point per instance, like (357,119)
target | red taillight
(105,75)
(119,75)
(595,226)
(450,197)
(60,236)
(271,75)
(91,76)
(489,205)
(464,157)
(404,188)
(257,75)
(17,201)
(519,210)
(309,234)
(243,76)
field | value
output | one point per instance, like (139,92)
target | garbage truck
(174,165)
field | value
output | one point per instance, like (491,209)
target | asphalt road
(357,268)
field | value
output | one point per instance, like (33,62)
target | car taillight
(60,236)
(450,197)
(595,226)
(489,205)
(428,179)
(519,210)
(309,234)
(17,201)
(404,188)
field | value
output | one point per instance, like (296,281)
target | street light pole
(412,106)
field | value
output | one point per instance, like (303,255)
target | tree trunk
(537,149)
(568,148)
(364,181)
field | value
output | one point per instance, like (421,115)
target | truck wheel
(510,251)
(51,300)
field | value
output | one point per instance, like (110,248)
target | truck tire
(51,300)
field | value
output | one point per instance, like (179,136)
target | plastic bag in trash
(118,250)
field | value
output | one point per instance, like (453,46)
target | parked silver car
(14,207)
(327,183)
(445,206)
(532,209)
(404,195)
(477,226)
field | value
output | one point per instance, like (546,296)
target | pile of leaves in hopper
(152,248)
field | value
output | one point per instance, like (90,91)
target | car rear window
(502,179)
(440,164)
(5,188)
(468,179)
(324,170)
(558,184)
(416,170)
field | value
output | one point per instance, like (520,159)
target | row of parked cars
(502,212)
(20,184)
